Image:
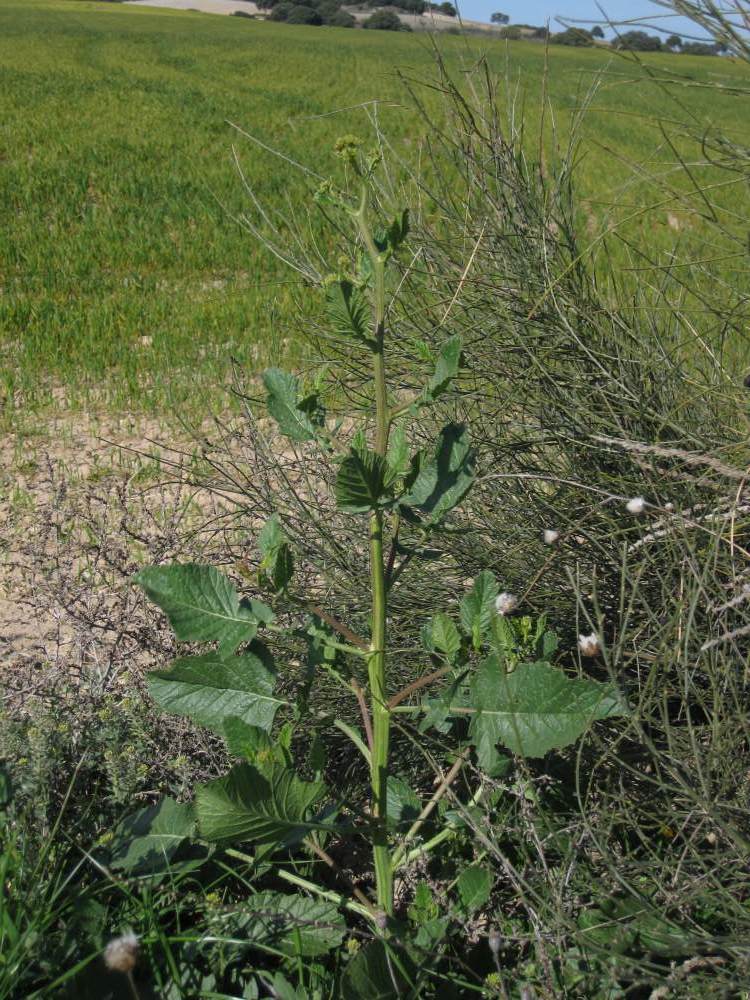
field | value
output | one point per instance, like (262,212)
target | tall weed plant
(480,657)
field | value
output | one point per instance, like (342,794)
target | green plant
(499,687)
(385,20)
(303,15)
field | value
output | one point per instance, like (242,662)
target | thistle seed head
(506,603)
(494,941)
(636,505)
(121,953)
(589,645)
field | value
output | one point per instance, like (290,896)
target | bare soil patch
(83,504)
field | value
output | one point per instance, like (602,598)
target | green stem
(334,897)
(381,718)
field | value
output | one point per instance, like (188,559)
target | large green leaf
(270,807)
(210,689)
(360,482)
(478,607)
(284,406)
(441,480)
(295,925)
(348,310)
(534,709)
(146,841)
(200,603)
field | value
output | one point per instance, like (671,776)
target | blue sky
(539,11)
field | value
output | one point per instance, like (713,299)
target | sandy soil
(66,497)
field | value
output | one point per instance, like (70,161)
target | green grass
(119,187)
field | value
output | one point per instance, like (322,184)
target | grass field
(123,272)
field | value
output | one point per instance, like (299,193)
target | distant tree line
(331,12)
(315,12)
(637,41)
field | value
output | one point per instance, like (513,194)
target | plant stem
(381,719)
(334,897)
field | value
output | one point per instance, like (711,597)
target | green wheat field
(124,274)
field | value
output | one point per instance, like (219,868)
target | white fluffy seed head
(636,505)
(589,645)
(506,603)
(494,940)
(550,536)
(121,953)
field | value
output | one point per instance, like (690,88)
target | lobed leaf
(535,709)
(295,925)
(398,456)
(440,635)
(380,970)
(403,802)
(474,886)
(211,689)
(201,604)
(146,841)
(269,806)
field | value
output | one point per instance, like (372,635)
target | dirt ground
(82,504)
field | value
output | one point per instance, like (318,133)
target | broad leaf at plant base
(209,689)
(254,744)
(295,925)
(271,807)
(146,841)
(535,709)
(201,604)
